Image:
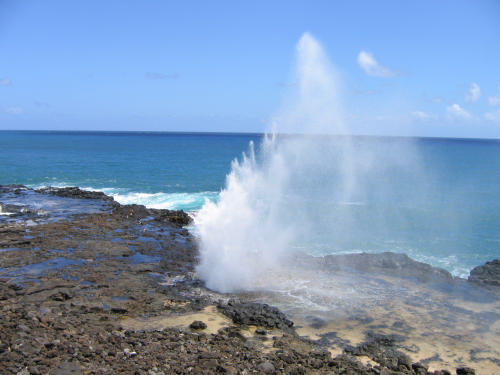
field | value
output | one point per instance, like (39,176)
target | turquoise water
(161,170)
(442,208)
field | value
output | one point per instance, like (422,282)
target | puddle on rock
(39,269)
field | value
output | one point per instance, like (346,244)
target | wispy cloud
(493,116)
(5,82)
(156,75)
(494,100)
(371,66)
(456,112)
(423,116)
(473,94)
(14,110)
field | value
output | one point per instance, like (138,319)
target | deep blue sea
(442,208)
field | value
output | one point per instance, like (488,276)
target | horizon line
(181,132)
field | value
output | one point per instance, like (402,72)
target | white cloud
(493,116)
(5,81)
(494,100)
(422,116)
(371,67)
(454,111)
(473,94)
(14,110)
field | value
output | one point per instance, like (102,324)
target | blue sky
(426,68)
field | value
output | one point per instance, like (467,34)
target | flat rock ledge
(177,217)
(74,192)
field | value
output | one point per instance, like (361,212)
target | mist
(309,187)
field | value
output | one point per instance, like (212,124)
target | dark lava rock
(135,211)
(178,217)
(74,192)
(381,349)
(16,189)
(487,275)
(198,325)
(259,314)
(465,371)
(261,331)
(419,368)
(131,211)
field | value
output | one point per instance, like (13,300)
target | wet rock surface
(67,285)
(387,263)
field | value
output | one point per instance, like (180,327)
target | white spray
(264,211)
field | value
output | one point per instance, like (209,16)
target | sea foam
(172,201)
(189,202)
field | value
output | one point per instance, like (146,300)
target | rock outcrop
(487,275)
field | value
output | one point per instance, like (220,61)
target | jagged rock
(259,314)
(487,275)
(74,192)
(381,349)
(12,188)
(178,217)
(131,211)
(135,211)
(198,325)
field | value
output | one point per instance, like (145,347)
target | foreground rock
(66,287)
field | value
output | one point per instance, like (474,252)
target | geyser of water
(293,191)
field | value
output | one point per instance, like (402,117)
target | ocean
(439,203)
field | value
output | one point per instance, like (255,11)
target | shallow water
(442,325)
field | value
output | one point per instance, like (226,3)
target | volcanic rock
(198,325)
(259,314)
(74,192)
(487,275)
(387,263)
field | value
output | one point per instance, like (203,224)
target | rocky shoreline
(72,285)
